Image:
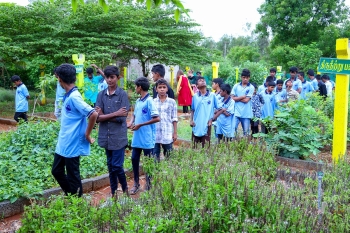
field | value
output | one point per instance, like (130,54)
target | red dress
(185,92)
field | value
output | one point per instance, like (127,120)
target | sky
(217,17)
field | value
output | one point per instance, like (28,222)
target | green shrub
(298,130)
(7,95)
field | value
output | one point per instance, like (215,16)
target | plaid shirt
(168,114)
(257,102)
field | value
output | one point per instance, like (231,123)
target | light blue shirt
(203,110)
(102,85)
(91,88)
(145,110)
(71,139)
(21,98)
(307,88)
(262,88)
(296,84)
(314,84)
(225,123)
(243,110)
(280,95)
(60,92)
(268,108)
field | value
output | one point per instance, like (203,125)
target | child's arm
(152,121)
(131,122)
(91,124)
(192,124)
(175,131)
(216,115)
(122,112)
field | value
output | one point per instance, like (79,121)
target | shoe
(134,189)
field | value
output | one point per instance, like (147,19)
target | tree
(240,54)
(295,22)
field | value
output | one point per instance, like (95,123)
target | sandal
(134,189)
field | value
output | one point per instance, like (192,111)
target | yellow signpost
(341,105)
(215,66)
(125,78)
(172,77)
(237,73)
(78,60)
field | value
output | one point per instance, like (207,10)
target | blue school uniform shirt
(314,84)
(145,136)
(306,88)
(243,110)
(91,88)
(280,95)
(60,92)
(262,88)
(71,138)
(296,84)
(225,123)
(269,106)
(21,98)
(203,109)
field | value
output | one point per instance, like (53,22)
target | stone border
(8,209)
(7,121)
(301,164)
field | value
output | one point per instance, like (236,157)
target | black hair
(218,81)
(325,77)
(301,73)
(143,83)
(293,69)
(161,81)
(198,78)
(269,79)
(198,73)
(54,70)
(318,77)
(226,87)
(273,70)
(15,78)
(279,81)
(159,68)
(271,84)
(111,70)
(310,72)
(245,73)
(89,70)
(67,73)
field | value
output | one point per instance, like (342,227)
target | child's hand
(89,139)
(210,122)
(98,110)
(129,124)
(192,124)
(135,127)
(174,137)
(121,112)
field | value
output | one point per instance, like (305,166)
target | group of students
(154,120)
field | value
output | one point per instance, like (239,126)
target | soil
(4,127)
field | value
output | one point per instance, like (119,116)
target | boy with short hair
(158,72)
(325,79)
(74,137)
(166,129)
(112,106)
(217,82)
(296,83)
(322,89)
(268,109)
(273,72)
(311,74)
(143,124)
(21,99)
(306,86)
(224,116)
(280,93)
(202,112)
(264,86)
(242,94)
(91,86)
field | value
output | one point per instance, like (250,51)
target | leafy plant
(298,130)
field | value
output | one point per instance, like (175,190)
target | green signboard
(79,68)
(333,65)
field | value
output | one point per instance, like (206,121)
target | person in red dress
(184,91)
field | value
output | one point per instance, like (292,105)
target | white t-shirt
(329,88)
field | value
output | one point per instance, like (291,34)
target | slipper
(134,189)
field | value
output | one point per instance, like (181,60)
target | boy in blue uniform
(60,92)
(158,72)
(166,129)
(242,94)
(203,105)
(74,137)
(268,109)
(264,86)
(224,116)
(143,124)
(306,86)
(112,106)
(257,103)
(21,99)
(311,74)
(297,86)
(280,93)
